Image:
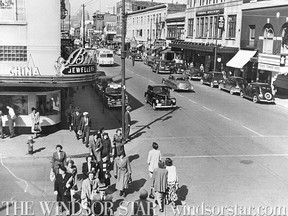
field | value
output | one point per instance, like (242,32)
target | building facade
(175,26)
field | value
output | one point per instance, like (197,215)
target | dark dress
(96,148)
(106,149)
(63,192)
(58,161)
(104,169)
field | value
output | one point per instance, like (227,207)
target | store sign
(210,12)
(100,16)
(24,71)
(263,66)
(80,69)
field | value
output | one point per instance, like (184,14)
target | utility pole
(123,57)
(83,25)
(150,34)
(216,41)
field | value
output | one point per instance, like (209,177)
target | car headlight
(173,100)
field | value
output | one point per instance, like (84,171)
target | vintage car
(178,68)
(158,95)
(233,84)
(194,73)
(102,82)
(161,66)
(118,52)
(212,78)
(138,57)
(178,82)
(112,96)
(149,60)
(258,92)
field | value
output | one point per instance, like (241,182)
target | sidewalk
(281,102)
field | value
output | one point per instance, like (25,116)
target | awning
(241,58)
(166,51)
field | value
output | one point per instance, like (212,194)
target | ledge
(13,23)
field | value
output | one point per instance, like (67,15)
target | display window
(18,102)
(49,104)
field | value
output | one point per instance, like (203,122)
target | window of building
(190,26)
(18,102)
(231,26)
(206,27)
(13,53)
(251,35)
(153,34)
(12,10)
(198,27)
(148,19)
(153,17)
(268,40)
(202,27)
(140,33)
(148,35)
(48,104)
(141,20)
(215,33)
(284,47)
(133,21)
(211,27)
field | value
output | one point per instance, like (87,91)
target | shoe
(151,196)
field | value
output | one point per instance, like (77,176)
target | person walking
(76,120)
(172,182)
(11,120)
(72,169)
(58,159)
(106,150)
(89,166)
(62,186)
(201,68)
(122,173)
(96,147)
(69,112)
(154,156)
(1,125)
(127,121)
(159,183)
(104,169)
(85,126)
(35,118)
(118,143)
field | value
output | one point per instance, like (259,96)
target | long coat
(159,179)
(118,145)
(85,168)
(107,148)
(58,161)
(76,119)
(35,118)
(127,122)
(123,171)
(154,157)
(60,187)
(88,187)
(96,148)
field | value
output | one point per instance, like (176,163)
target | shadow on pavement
(116,204)
(136,185)
(39,150)
(133,157)
(182,192)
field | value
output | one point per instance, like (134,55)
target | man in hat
(62,186)
(76,119)
(143,206)
(127,123)
(85,126)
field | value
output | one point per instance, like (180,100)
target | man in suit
(76,119)
(11,121)
(85,126)
(127,123)
(88,166)
(1,125)
(62,186)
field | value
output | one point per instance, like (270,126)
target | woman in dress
(172,182)
(96,147)
(35,118)
(72,169)
(118,143)
(106,150)
(122,173)
(58,159)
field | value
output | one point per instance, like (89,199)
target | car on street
(102,82)
(178,68)
(161,66)
(149,60)
(118,52)
(194,73)
(212,78)
(158,95)
(112,96)
(138,57)
(178,82)
(233,84)
(258,92)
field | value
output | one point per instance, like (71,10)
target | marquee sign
(24,71)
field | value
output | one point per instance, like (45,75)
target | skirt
(172,192)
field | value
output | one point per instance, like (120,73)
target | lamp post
(123,57)
(216,41)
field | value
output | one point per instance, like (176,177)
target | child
(30,143)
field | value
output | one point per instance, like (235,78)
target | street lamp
(123,57)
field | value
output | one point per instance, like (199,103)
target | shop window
(231,26)
(18,102)
(48,104)
(268,40)
(251,35)
(284,47)
(197,27)
(202,27)
(13,53)
(206,27)
(211,27)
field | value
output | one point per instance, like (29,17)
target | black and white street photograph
(144,107)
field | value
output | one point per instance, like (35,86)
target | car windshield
(161,90)
(181,78)
(267,88)
(110,90)
(240,80)
(163,63)
(218,75)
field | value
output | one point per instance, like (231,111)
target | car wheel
(154,106)
(211,85)
(201,81)
(241,94)
(231,91)
(255,99)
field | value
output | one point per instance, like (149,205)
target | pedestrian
(69,113)
(159,183)
(30,143)
(1,125)
(58,159)
(118,143)
(35,118)
(154,156)
(127,121)
(201,68)
(62,186)
(88,166)
(106,150)
(76,120)
(142,206)
(172,182)
(122,173)
(72,169)
(104,169)
(11,120)
(96,147)
(133,59)
(85,126)
(90,188)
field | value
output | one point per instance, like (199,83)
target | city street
(228,151)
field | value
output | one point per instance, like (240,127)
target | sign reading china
(24,71)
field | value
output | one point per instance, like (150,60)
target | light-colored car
(178,82)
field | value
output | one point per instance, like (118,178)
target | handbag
(52,175)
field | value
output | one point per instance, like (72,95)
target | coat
(35,118)
(88,187)
(107,148)
(84,127)
(96,148)
(159,179)
(85,168)
(76,119)
(127,118)
(60,187)
(154,156)
(56,161)
(118,145)
(123,171)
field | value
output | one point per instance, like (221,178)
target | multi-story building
(175,26)
(147,26)
(265,28)
(205,43)
(28,52)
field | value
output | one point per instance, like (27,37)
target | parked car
(178,82)
(161,66)
(112,96)
(118,52)
(178,68)
(194,73)
(138,57)
(102,82)
(233,84)
(212,78)
(158,95)
(150,60)
(258,92)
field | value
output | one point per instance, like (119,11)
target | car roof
(260,84)
(158,85)
(178,75)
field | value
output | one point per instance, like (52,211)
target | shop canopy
(241,58)
(166,51)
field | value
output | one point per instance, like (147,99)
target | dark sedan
(258,92)
(212,78)
(178,68)
(233,84)
(194,73)
(161,66)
